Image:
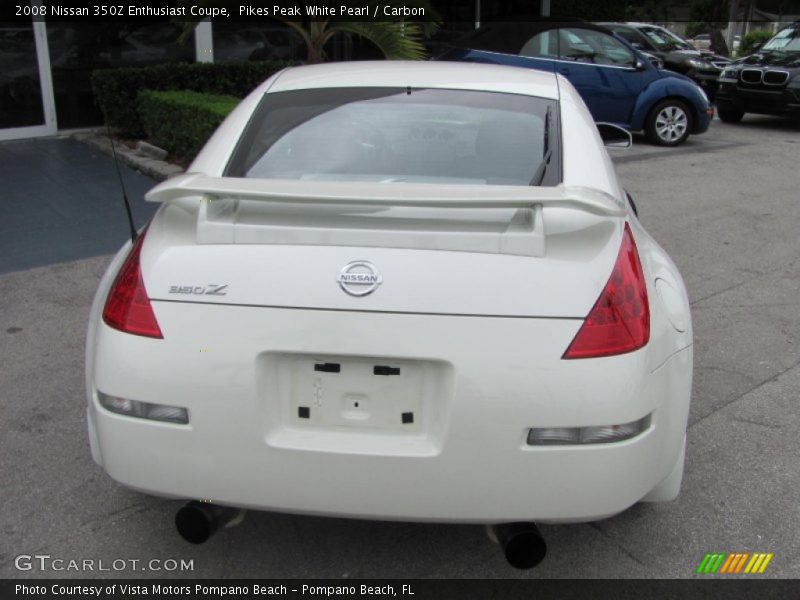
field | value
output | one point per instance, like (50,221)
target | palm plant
(396,39)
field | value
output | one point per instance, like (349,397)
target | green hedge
(182,121)
(116,89)
(751,40)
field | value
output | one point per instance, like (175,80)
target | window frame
(631,52)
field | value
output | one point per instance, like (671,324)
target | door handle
(564,70)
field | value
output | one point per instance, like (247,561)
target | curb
(151,167)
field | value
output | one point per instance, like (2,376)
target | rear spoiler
(335,213)
(384,194)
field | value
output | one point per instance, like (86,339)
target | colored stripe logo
(734,563)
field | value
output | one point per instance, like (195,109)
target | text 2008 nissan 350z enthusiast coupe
(406,291)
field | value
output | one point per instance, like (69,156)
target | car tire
(669,123)
(730,115)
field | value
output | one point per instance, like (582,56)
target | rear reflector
(604,434)
(127,306)
(619,322)
(144,410)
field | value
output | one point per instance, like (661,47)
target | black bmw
(766,83)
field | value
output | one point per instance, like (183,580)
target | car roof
(633,25)
(639,24)
(509,37)
(419,74)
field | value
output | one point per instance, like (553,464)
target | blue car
(617,82)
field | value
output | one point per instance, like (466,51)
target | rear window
(396,135)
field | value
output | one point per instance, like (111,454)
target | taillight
(619,321)
(127,306)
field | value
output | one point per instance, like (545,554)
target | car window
(596,47)
(630,35)
(787,40)
(544,44)
(663,39)
(397,135)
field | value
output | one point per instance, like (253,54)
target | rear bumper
(468,461)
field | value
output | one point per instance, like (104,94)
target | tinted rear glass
(396,135)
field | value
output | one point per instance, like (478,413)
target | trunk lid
(460,250)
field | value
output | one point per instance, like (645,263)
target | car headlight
(795,82)
(729,75)
(698,63)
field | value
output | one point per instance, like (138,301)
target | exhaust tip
(522,544)
(198,521)
(194,524)
(526,550)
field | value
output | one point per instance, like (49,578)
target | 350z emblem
(212,289)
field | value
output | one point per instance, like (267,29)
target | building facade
(46,65)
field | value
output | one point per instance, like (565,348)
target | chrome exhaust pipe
(198,521)
(522,543)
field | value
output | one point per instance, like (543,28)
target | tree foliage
(591,10)
(753,39)
(653,10)
(711,17)
(396,39)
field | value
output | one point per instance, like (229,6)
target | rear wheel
(729,115)
(669,123)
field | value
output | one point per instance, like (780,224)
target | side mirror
(638,64)
(614,136)
(655,61)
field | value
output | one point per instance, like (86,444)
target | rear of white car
(396,349)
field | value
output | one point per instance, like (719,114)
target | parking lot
(725,206)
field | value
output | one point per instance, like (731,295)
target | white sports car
(405,291)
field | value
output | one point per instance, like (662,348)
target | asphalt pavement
(62,201)
(726,208)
